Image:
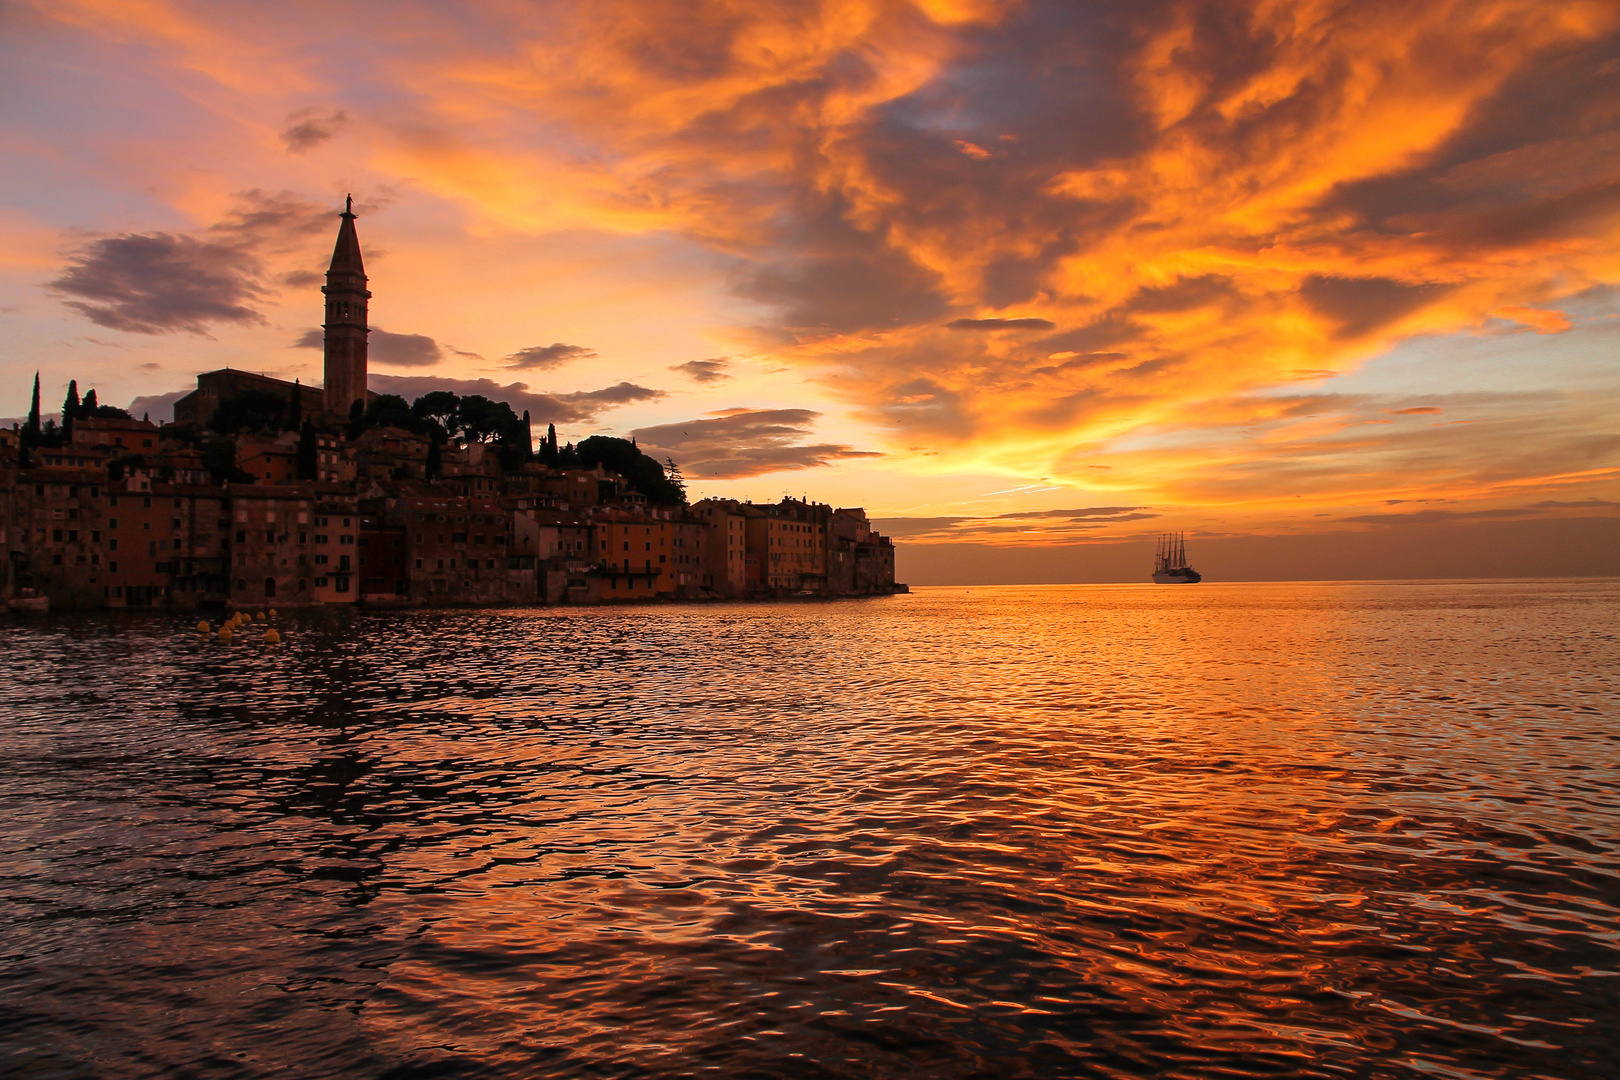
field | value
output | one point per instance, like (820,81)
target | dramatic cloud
(307,129)
(385,348)
(704,371)
(574,408)
(545,357)
(1219,199)
(744,442)
(158,283)
(1115,244)
(402,350)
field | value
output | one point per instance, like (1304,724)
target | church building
(345,347)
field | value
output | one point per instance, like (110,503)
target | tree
(357,420)
(295,410)
(436,411)
(251,410)
(88,407)
(434,459)
(672,473)
(482,420)
(308,461)
(390,410)
(642,472)
(70,409)
(219,455)
(31,430)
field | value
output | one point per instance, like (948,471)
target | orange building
(634,552)
(789,542)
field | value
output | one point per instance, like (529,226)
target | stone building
(345,331)
(725,552)
(789,542)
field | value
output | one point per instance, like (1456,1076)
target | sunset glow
(1004,273)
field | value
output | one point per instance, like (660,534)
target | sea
(1224,830)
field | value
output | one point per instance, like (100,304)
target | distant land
(1546,547)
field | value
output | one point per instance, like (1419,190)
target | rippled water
(1256,830)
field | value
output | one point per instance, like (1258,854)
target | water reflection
(1111,831)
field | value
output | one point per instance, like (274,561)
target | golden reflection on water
(1112,831)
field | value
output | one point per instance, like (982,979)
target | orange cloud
(1113,273)
(1543,322)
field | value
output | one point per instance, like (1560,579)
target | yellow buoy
(271,637)
(272,613)
(203,627)
(258,616)
(225,635)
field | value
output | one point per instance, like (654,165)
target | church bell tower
(345,326)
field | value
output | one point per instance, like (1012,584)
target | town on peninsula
(264,493)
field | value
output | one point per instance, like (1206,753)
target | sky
(1030,281)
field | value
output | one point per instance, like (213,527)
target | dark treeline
(443,418)
(51,434)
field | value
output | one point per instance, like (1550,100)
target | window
(346,538)
(146,501)
(112,500)
(112,545)
(112,523)
(56,535)
(95,536)
(320,538)
(320,583)
(241,536)
(269,536)
(112,566)
(419,564)
(321,559)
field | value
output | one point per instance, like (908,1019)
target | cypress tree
(295,413)
(30,436)
(357,420)
(308,463)
(70,409)
(528,437)
(88,409)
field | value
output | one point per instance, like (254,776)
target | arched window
(269,588)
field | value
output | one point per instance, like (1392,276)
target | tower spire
(346,312)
